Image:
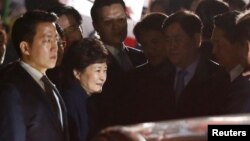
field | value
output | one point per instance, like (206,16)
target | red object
(129,41)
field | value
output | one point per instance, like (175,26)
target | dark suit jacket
(237,96)
(75,99)
(25,113)
(146,97)
(197,97)
(56,76)
(136,57)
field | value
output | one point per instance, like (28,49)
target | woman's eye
(98,70)
(47,40)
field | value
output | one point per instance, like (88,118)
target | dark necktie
(49,88)
(180,83)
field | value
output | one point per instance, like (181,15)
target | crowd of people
(193,61)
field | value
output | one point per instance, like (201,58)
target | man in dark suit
(230,53)
(110,21)
(195,77)
(151,81)
(31,108)
(243,30)
(112,28)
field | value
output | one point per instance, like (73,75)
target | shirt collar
(190,71)
(35,74)
(191,68)
(235,72)
(114,50)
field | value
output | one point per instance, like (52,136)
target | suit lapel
(30,83)
(113,63)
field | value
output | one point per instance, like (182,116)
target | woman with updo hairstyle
(85,72)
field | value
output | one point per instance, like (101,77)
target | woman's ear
(25,48)
(77,74)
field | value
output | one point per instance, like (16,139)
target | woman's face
(93,77)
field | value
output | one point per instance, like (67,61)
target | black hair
(227,23)
(83,53)
(98,4)
(68,10)
(188,21)
(206,10)
(151,21)
(41,4)
(24,28)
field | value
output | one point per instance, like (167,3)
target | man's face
(72,30)
(112,24)
(42,53)
(181,48)
(225,52)
(154,46)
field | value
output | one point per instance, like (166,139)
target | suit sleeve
(12,127)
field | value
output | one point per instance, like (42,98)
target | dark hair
(177,5)
(24,28)
(206,10)
(151,21)
(165,4)
(227,23)
(83,53)
(237,4)
(188,21)
(98,4)
(68,11)
(243,26)
(41,4)
(59,31)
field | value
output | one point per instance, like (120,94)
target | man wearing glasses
(70,21)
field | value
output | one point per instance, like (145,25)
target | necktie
(49,88)
(180,83)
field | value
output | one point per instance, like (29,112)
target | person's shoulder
(134,52)
(74,98)
(7,91)
(9,66)
(213,68)
(132,49)
(73,92)
(9,70)
(213,63)
(216,71)
(209,64)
